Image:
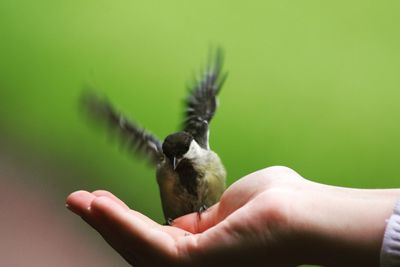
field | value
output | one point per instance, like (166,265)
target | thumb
(197,222)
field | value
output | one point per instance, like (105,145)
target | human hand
(271,217)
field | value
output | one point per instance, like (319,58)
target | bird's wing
(201,103)
(135,137)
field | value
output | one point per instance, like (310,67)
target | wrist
(341,226)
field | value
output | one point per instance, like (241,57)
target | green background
(313,85)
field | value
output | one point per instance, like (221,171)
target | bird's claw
(201,210)
(169,222)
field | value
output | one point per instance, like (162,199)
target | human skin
(272,217)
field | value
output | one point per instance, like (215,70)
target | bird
(191,177)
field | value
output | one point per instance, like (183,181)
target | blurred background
(313,85)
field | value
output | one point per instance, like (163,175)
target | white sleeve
(390,252)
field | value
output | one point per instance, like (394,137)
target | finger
(139,215)
(130,225)
(79,202)
(104,193)
(199,222)
(144,218)
(107,210)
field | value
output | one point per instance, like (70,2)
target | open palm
(272,217)
(244,222)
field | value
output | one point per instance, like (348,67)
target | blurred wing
(201,103)
(131,134)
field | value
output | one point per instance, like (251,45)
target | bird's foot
(201,210)
(169,222)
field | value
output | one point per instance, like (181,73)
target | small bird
(191,177)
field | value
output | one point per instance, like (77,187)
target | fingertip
(101,192)
(79,202)
(76,194)
(104,193)
(102,202)
(106,207)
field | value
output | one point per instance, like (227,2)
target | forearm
(343,226)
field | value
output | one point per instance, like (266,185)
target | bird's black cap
(176,144)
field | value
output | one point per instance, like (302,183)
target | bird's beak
(175,162)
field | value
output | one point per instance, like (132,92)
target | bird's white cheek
(192,152)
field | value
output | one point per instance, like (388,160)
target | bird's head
(176,147)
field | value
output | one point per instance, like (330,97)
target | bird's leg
(202,209)
(169,222)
